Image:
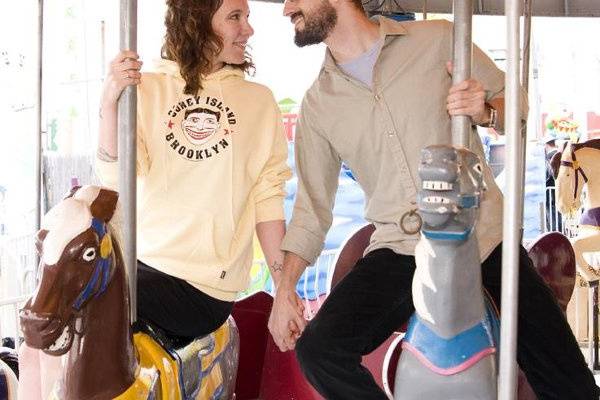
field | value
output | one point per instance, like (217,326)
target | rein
(101,269)
(578,170)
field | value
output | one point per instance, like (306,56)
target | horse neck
(447,290)
(102,362)
(589,159)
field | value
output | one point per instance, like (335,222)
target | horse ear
(555,163)
(105,204)
(39,240)
(564,147)
(71,192)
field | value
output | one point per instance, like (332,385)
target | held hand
(467,98)
(124,70)
(286,321)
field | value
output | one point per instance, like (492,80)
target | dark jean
(177,307)
(375,299)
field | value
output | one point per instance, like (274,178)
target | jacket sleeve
(493,80)
(317,167)
(108,172)
(270,188)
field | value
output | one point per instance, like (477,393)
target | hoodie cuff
(108,173)
(270,209)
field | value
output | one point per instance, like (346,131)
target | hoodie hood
(171,68)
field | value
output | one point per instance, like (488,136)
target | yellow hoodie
(209,168)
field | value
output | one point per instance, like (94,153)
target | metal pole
(127,153)
(38,127)
(507,379)
(461,61)
(525,83)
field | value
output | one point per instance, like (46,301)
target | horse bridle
(578,170)
(101,269)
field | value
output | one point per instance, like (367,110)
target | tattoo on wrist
(105,155)
(277,266)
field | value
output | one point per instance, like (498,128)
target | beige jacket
(379,134)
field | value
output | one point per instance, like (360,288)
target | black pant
(177,307)
(375,299)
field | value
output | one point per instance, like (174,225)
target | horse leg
(580,246)
(38,372)
(29,374)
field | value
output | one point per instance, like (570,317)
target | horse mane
(555,163)
(593,144)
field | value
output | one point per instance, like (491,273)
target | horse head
(76,262)
(452,185)
(569,181)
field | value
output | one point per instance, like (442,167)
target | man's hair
(191,42)
(201,110)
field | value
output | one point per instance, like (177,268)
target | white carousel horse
(579,167)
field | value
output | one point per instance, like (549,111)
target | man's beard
(317,25)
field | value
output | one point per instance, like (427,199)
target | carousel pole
(38,126)
(461,61)
(507,380)
(525,83)
(127,152)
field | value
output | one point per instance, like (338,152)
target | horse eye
(477,167)
(89,254)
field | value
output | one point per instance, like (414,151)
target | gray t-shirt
(361,68)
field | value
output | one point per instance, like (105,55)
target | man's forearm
(293,267)
(498,104)
(107,137)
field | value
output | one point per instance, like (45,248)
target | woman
(211,164)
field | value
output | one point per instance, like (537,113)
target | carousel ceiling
(548,8)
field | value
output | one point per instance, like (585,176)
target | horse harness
(578,170)
(102,267)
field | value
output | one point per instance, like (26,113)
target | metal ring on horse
(415,219)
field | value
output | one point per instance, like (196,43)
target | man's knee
(313,347)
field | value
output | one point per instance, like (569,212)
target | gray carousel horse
(449,351)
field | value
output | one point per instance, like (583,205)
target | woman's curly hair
(191,42)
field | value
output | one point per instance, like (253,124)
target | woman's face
(230,22)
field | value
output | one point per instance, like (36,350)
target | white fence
(17,280)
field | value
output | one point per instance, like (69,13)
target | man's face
(199,127)
(312,24)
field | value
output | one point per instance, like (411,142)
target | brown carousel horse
(81,309)
(579,167)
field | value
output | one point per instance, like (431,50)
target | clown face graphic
(200,124)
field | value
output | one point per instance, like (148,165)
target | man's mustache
(296,14)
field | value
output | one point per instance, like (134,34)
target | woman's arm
(270,234)
(124,71)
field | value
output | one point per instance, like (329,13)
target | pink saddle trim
(448,371)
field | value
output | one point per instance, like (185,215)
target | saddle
(194,361)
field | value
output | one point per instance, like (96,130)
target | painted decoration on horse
(81,310)
(578,171)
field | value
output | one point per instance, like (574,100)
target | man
(553,219)
(384,93)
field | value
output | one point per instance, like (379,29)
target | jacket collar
(387,27)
